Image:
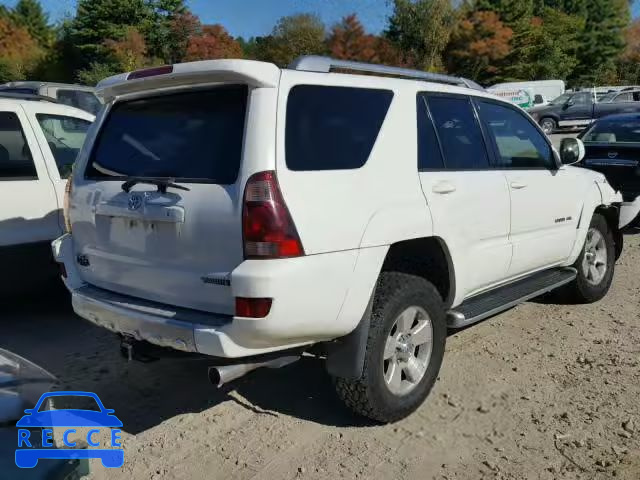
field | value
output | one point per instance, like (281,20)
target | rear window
(333,128)
(195,137)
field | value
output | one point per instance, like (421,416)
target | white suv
(39,141)
(247,212)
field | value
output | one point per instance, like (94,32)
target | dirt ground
(544,391)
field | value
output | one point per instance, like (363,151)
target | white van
(548,89)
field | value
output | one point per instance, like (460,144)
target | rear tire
(404,351)
(548,125)
(595,265)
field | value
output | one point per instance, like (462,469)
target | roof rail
(27,96)
(316,63)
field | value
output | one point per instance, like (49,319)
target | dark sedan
(613,148)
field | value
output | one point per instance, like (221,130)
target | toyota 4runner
(238,210)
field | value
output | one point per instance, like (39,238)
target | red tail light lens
(267,227)
(150,72)
(252,307)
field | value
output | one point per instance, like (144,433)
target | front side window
(333,128)
(518,142)
(626,130)
(195,136)
(16,162)
(459,133)
(65,136)
(582,98)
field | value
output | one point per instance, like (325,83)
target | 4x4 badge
(135,202)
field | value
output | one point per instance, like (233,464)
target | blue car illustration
(70,418)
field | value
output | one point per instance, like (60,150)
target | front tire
(596,263)
(404,352)
(548,125)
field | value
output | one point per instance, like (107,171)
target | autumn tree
(214,42)
(20,51)
(182,27)
(479,42)
(293,36)
(628,64)
(421,29)
(130,52)
(349,41)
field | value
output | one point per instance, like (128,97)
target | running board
(502,298)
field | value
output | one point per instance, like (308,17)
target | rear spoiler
(255,74)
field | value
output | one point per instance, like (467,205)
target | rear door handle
(518,185)
(443,188)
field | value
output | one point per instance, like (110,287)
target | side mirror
(572,151)
(570,103)
(538,99)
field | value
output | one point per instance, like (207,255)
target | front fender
(598,195)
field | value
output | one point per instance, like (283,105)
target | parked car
(613,148)
(578,110)
(39,141)
(79,96)
(623,96)
(247,212)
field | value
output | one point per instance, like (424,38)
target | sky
(249,18)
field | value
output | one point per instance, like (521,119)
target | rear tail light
(66,204)
(252,307)
(267,227)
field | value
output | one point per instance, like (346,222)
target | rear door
(469,201)
(176,246)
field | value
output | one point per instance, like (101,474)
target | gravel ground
(544,391)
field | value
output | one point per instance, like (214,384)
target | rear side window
(86,101)
(16,162)
(195,136)
(20,90)
(429,154)
(333,128)
(65,136)
(459,133)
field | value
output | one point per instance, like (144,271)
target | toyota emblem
(135,202)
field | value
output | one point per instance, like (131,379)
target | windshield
(75,402)
(65,136)
(562,99)
(195,136)
(614,131)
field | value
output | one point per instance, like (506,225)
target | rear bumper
(308,295)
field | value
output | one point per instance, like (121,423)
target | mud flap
(345,355)
(628,212)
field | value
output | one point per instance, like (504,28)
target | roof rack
(27,96)
(316,63)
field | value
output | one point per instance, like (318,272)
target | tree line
(584,42)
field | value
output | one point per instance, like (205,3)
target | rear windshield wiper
(161,183)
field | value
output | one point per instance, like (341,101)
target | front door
(578,111)
(469,201)
(28,206)
(545,201)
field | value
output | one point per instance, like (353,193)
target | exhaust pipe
(227,373)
